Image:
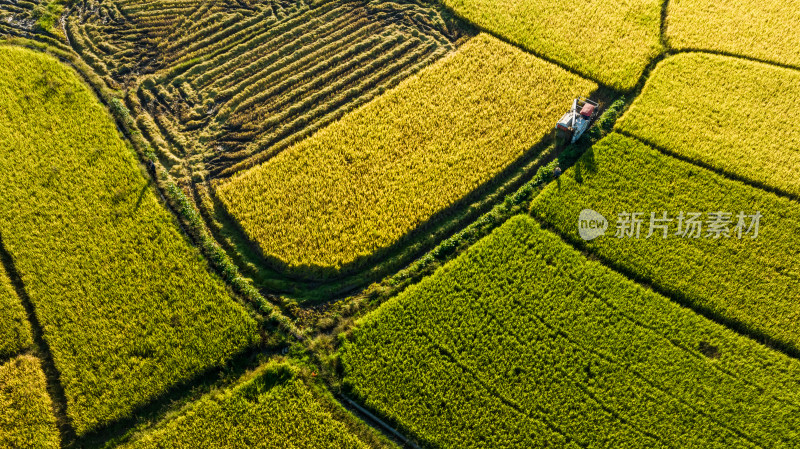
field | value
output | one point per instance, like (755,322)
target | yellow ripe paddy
(611,41)
(364,182)
(724,112)
(763,29)
(15,331)
(128,307)
(26,418)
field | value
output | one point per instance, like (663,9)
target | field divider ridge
(724,173)
(172,197)
(676,297)
(737,56)
(662,32)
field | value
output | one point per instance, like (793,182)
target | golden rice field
(765,30)
(361,184)
(127,306)
(610,41)
(318,224)
(734,115)
(26,418)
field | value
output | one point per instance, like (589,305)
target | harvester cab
(573,124)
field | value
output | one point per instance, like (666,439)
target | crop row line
(267,141)
(560,331)
(214,27)
(237,41)
(190,22)
(292,55)
(265,150)
(250,37)
(362,79)
(312,96)
(157,113)
(357,81)
(303,83)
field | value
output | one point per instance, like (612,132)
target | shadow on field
(585,164)
(176,397)
(41,349)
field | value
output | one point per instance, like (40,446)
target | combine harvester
(573,124)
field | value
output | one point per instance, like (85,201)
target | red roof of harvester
(588,110)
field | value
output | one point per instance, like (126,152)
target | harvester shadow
(41,349)
(584,164)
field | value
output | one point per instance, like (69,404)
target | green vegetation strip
(361,184)
(765,30)
(15,331)
(26,417)
(128,307)
(523,342)
(611,41)
(749,283)
(273,409)
(734,115)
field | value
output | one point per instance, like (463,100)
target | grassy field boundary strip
(575,36)
(336,317)
(706,51)
(720,113)
(416,243)
(731,175)
(91,302)
(275,405)
(445,101)
(749,285)
(531,318)
(762,31)
(26,418)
